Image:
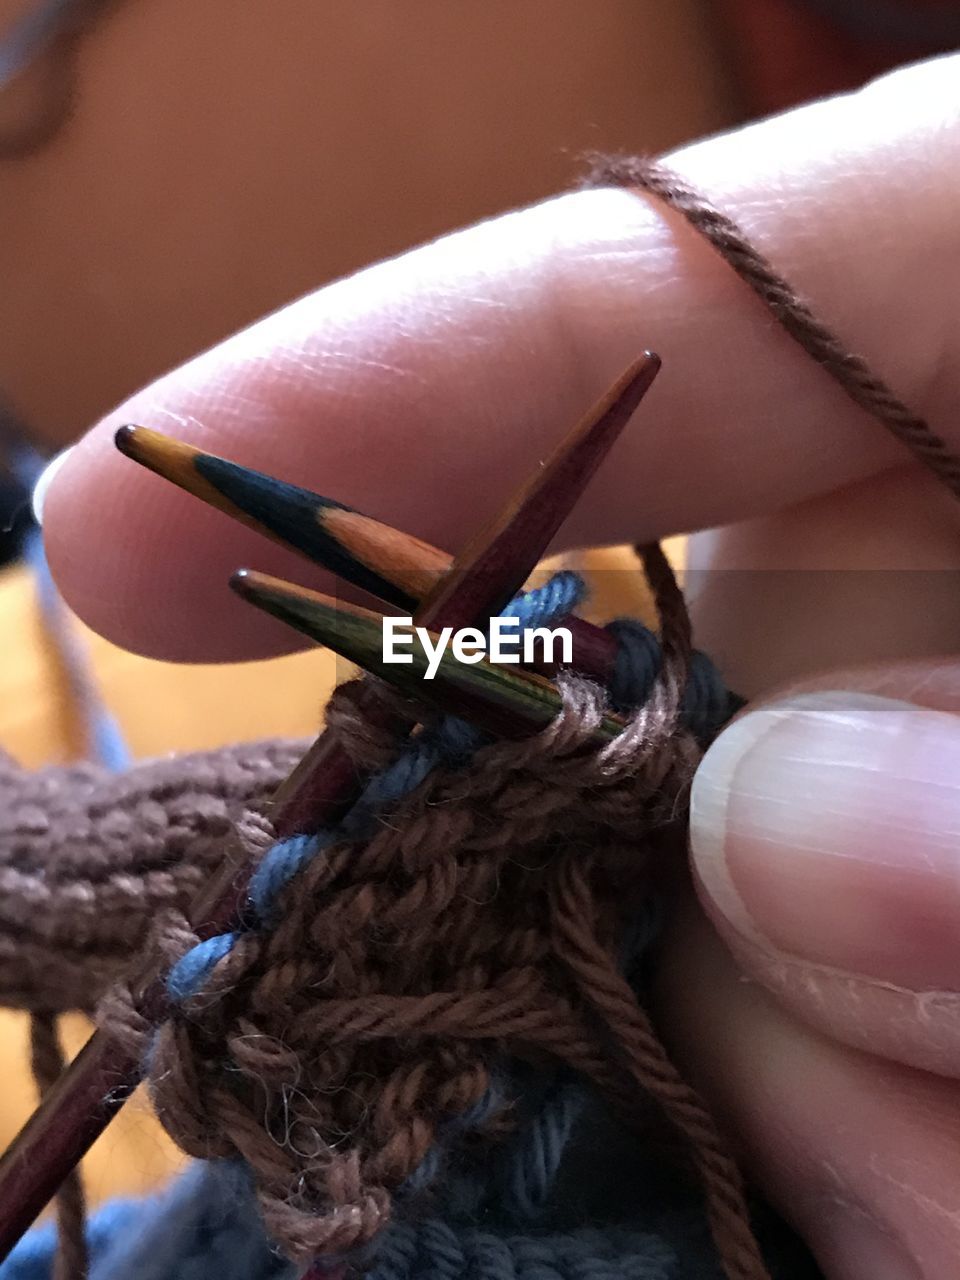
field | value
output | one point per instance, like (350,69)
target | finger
(821,825)
(867,574)
(861,1155)
(825,839)
(825,858)
(420,389)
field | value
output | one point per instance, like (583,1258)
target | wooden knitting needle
(394,567)
(506,702)
(324,781)
(103,1075)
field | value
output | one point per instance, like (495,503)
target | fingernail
(827,827)
(41,488)
(854,1246)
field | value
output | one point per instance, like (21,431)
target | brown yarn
(48,1063)
(480,922)
(90,860)
(469,965)
(331,1051)
(90,865)
(849,370)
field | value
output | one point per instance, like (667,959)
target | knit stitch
(389,971)
(205,805)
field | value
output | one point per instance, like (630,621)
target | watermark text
(505,643)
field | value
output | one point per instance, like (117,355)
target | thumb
(825,834)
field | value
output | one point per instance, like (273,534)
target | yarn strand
(632,1032)
(372,1007)
(848,369)
(48,1062)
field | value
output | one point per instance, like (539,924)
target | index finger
(421,389)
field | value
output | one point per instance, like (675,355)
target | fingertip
(167,594)
(717,780)
(45,482)
(821,831)
(420,390)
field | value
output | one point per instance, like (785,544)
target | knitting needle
(505,702)
(103,1075)
(480,579)
(394,567)
(504,556)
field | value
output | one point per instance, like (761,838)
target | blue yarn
(452,740)
(468,1121)
(435,1250)
(707,705)
(191,971)
(206,1223)
(533,1161)
(514,1183)
(546,604)
(32,1259)
(636,665)
(105,741)
(277,867)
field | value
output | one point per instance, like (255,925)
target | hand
(826,828)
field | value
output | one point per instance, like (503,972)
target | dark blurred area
(16,517)
(170,171)
(11,503)
(785,52)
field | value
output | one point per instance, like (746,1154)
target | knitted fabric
(617,1212)
(393,975)
(118,852)
(423,1048)
(404,967)
(88,859)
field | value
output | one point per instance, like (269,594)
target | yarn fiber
(402,969)
(366,1005)
(88,859)
(374,1022)
(91,860)
(395,975)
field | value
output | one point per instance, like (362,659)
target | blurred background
(172,169)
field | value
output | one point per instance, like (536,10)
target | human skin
(824,824)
